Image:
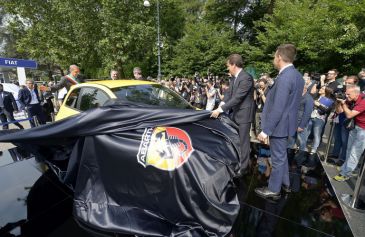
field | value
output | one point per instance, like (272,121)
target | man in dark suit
(68,80)
(279,119)
(7,107)
(239,103)
(28,97)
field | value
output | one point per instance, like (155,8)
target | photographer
(211,93)
(322,107)
(361,75)
(340,133)
(356,139)
(184,90)
(223,90)
(260,93)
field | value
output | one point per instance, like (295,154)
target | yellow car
(93,94)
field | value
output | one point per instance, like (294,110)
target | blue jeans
(317,125)
(299,138)
(356,146)
(341,135)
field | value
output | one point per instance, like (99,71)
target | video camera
(339,93)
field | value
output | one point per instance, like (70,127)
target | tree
(95,34)
(327,33)
(204,47)
(237,15)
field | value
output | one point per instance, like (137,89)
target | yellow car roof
(120,83)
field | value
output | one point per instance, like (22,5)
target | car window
(91,98)
(152,95)
(72,98)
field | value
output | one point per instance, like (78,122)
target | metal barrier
(329,141)
(352,201)
(16,121)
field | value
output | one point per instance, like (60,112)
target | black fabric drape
(176,182)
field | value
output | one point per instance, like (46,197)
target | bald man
(68,80)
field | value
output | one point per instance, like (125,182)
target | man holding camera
(211,93)
(356,139)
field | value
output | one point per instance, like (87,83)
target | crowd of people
(286,114)
(325,97)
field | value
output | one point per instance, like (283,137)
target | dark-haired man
(28,97)
(7,107)
(279,119)
(331,80)
(240,103)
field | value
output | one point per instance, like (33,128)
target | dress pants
(280,168)
(36,110)
(244,133)
(6,116)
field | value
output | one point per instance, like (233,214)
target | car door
(81,99)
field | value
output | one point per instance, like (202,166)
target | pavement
(6,146)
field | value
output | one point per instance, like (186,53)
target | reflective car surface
(94,94)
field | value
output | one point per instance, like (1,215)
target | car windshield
(152,95)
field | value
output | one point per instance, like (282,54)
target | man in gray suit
(239,103)
(279,119)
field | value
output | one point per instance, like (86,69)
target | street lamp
(147,3)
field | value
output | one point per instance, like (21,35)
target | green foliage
(96,34)
(327,33)
(196,35)
(204,47)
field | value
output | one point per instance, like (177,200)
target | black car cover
(143,170)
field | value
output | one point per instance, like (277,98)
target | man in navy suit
(279,119)
(7,107)
(29,99)
(239,102)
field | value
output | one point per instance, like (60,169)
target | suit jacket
(239,99)
(279,116)
(9,102)
(24,97)
(64,82)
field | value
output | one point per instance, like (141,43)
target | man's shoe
(331,156)
(285,189)
(341,178)
(340,162)
(266,193)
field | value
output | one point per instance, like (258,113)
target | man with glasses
(28,98)
(330,80)
(338,155)
(356,139)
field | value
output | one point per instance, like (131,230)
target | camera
(316,77)
(339,93)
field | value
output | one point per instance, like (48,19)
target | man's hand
(300,130)
(341,101)
(263,138)
(215,113)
